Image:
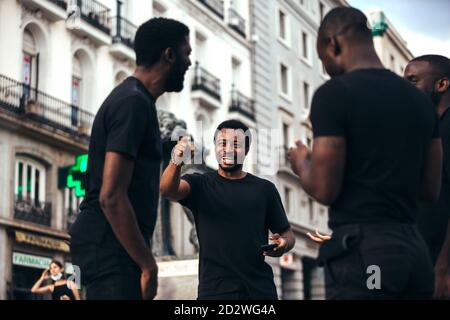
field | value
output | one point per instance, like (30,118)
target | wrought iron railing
(236,22)
(203,80)
(95,14)
(215,6)
(242,104)
(123,31)
(40,107)
(33,211)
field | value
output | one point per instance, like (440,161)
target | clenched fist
(183,151)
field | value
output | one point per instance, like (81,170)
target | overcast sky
(424,24)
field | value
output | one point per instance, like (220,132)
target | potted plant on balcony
(83,127)
(33,107)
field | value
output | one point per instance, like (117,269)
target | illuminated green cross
(76,175)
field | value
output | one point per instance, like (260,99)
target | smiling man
(233,212)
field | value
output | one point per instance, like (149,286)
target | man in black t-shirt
(376,152)
(110,238)
(233,212)
(431,74)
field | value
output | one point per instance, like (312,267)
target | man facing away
(431,74)
(110,238)
(233,212)
(376,152)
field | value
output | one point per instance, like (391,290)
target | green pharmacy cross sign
(74,176)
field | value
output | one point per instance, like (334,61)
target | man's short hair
(440,64)
(236,125)
(341,20)
(155,36)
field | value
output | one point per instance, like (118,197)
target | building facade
(253,60)
(286,73)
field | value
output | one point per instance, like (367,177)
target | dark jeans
(108,273)
(398,250)
(106,269)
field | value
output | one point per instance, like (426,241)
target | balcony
(123,38)
(54,10)
(216,6)
(242,104)
(205,86)
(236,22)
(40,108)
(89,18)
(33,211)
(284,162)
(96,14)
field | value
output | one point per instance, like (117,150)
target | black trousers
(358,256)
(107,272)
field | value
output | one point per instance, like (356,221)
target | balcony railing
(284,157)
(242,104)
(33,211)
(42,108)
(95,13)
(216,6)
(236,22)
(203,80)
(123,31)
(60,3)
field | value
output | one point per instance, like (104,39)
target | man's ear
(335,45)
(442,85)
(169,55)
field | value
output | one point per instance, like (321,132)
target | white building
(390,46)
(54,75)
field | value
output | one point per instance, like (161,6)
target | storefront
(31,254)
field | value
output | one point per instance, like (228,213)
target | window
(29,184)
(305,46)
(30,61)
(311,209)
(200,48)
(285,135)
(392,61)
(282,25)
(306,95)
(321,11)
(284,80)
(77,81)
(71,205)
(287,199)
(236,72)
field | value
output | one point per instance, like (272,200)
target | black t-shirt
(388,125)
(433,218)
(126,123)
(232,218)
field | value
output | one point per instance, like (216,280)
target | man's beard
(234,168)
(434,96)
(175,79)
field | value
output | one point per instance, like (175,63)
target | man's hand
(442,284)
(318,238)
(280,249)
(297,156)
(182,152)
(149,281)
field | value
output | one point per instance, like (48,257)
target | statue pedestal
(177,279)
